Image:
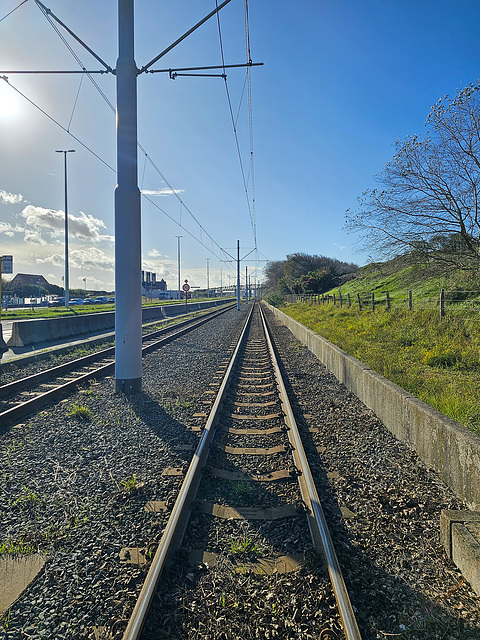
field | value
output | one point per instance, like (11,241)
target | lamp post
(208,279)
(178,265)
(66,283)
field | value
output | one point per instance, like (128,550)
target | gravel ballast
(75,487)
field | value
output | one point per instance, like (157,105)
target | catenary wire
(233,122)
(10,12)
(112,107)
(183,205)
(76,100)
(87,148)
(76,57)
(57,123)
(248,56)
(157,206)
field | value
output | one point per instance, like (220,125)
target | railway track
(25,395)
(247,498)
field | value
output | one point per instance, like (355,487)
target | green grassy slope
(436,359)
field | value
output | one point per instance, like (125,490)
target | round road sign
(186,287)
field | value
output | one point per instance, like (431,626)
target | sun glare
(10,104)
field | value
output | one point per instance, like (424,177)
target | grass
(80,411)
(130,483)
(56,312)
(18,548)
(243,489)
(437,360)
(241,546)
(28,497)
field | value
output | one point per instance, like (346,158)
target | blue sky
(341,81)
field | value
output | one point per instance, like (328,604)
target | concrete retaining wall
(29,332)
(444,445)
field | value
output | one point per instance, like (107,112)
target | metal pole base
(129,386)
(3,344)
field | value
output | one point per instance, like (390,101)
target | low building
(22,279)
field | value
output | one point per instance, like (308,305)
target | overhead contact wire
(233,122)
(58,124)
(76,100)
(248,56)
(184,206)
(112,107)
(76,57)
(10,12)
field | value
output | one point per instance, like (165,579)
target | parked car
(56,302)
(111,300)
(76,301)
(89,301)
(101,300)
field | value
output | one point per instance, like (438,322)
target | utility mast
(128,252)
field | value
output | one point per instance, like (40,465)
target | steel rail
(178,519)
(20,410)
(52,372)
(341,594)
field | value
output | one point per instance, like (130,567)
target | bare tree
(427,202)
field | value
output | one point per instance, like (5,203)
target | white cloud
(47,224)
(166,191)
(154,253)
(8,229)
(91,259)
(10,198)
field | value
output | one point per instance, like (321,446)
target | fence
(458,300)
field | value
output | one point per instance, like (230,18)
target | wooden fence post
(373,301)
(387,295)
(410,303)
(340,299)
(359,302)
(334,300)
(349,301)
(442,303)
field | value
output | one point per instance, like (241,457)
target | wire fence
(458,301)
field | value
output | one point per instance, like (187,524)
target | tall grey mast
(128,253)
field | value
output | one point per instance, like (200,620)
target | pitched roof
(26,278)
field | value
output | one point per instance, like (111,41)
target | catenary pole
(208,278)
(179,295)
(66,282)
(128,291)
(238,275)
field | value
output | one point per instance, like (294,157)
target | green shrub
(276,300)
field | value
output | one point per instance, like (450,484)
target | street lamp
(178,265)
(66,283)
(208,279)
